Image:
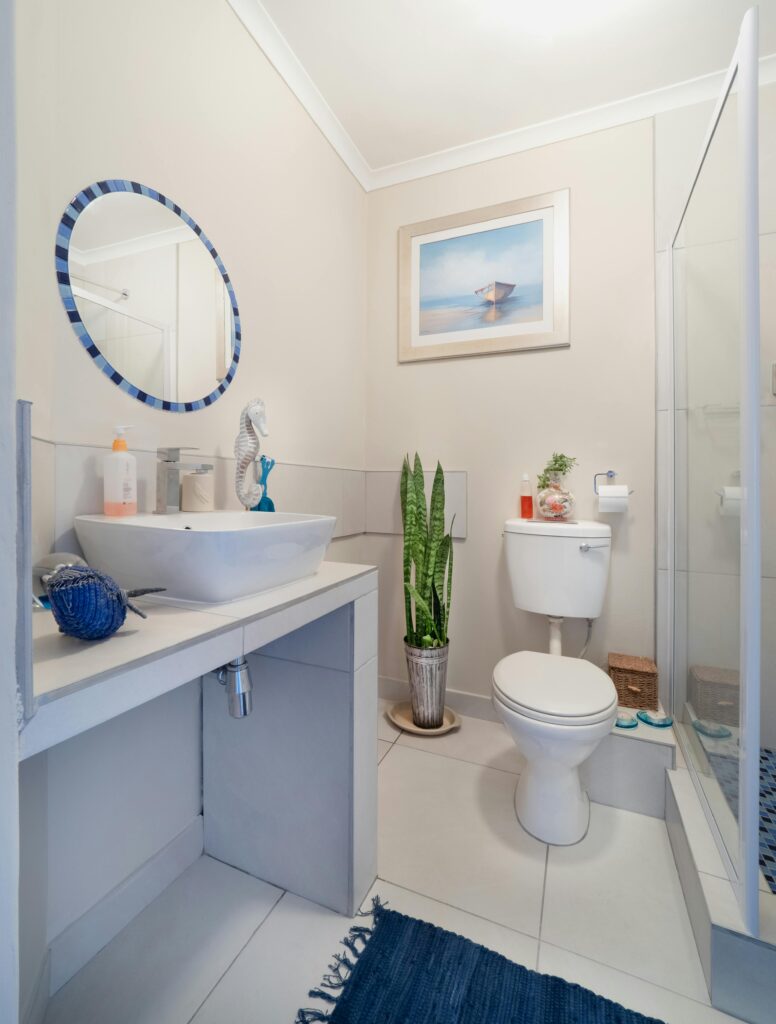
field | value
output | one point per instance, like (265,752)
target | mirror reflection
(151,297)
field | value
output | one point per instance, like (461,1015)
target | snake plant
(428,558)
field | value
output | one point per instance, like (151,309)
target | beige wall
(192,108)
(178,96)
(497,416)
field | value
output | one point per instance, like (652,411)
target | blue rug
(404,971)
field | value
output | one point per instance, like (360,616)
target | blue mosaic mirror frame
(64,235)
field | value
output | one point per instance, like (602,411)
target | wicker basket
(715,693)
(635,680)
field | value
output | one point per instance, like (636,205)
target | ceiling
(410,78)
(122,217)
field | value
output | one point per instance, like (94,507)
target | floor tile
(521,949)
(271,978)
(616,898)
(382,749)
(162,966)
(289,954)
(477,741)
(448,830)
(633,993)
(386,730)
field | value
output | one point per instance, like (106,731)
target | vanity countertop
(178,642)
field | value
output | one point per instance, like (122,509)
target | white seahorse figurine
(246,449)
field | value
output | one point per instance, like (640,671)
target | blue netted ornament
(89,604)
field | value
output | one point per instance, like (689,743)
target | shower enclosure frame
(743,73)
(169,348)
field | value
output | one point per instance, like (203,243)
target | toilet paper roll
(613,498)
(730,501)
(197,492)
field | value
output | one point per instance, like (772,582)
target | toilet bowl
(557,710)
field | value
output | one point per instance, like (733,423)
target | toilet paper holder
(610,474)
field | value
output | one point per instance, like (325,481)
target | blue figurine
(89,604)
(266,504)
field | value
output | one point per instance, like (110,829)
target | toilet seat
(552,688)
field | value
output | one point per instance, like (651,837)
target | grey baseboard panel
(689,879)
(34,1011)
(740,970)
(629,773)
(84,938)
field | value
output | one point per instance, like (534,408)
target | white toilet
(557,709)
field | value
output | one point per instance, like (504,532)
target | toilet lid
(549,684)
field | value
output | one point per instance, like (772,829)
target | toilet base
(551,804)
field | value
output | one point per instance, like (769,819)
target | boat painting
(491,280)
(495,292)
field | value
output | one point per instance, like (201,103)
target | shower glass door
(716,553)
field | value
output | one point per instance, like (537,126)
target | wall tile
(365,626)
(79,488)
(77,472)
(663,330)
(713,462)
(353,501)
(767,313)
(680,657)
(678,137)
(681,490)
(43,498)
(628,773)
(383,508)
(768,483)
(712,619)
(325,641)
(663,487)
(664,636)
(768,674)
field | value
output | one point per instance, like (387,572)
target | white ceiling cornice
(131,246)
(265,32)
(277,51)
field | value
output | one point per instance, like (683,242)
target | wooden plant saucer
(401,716)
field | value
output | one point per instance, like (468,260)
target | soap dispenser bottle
(120,478)
(526,498)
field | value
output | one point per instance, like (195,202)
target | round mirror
(148,295)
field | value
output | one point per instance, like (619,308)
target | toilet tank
(558,568)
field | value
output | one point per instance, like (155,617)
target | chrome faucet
(168,478)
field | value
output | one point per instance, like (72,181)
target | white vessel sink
(206,556)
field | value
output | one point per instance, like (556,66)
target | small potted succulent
(554,501)
(428,581)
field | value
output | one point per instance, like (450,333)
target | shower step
(740,970)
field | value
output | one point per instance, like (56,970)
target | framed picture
(490,280)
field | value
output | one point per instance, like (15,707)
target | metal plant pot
(427,668)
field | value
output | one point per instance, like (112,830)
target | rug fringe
(341,966)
